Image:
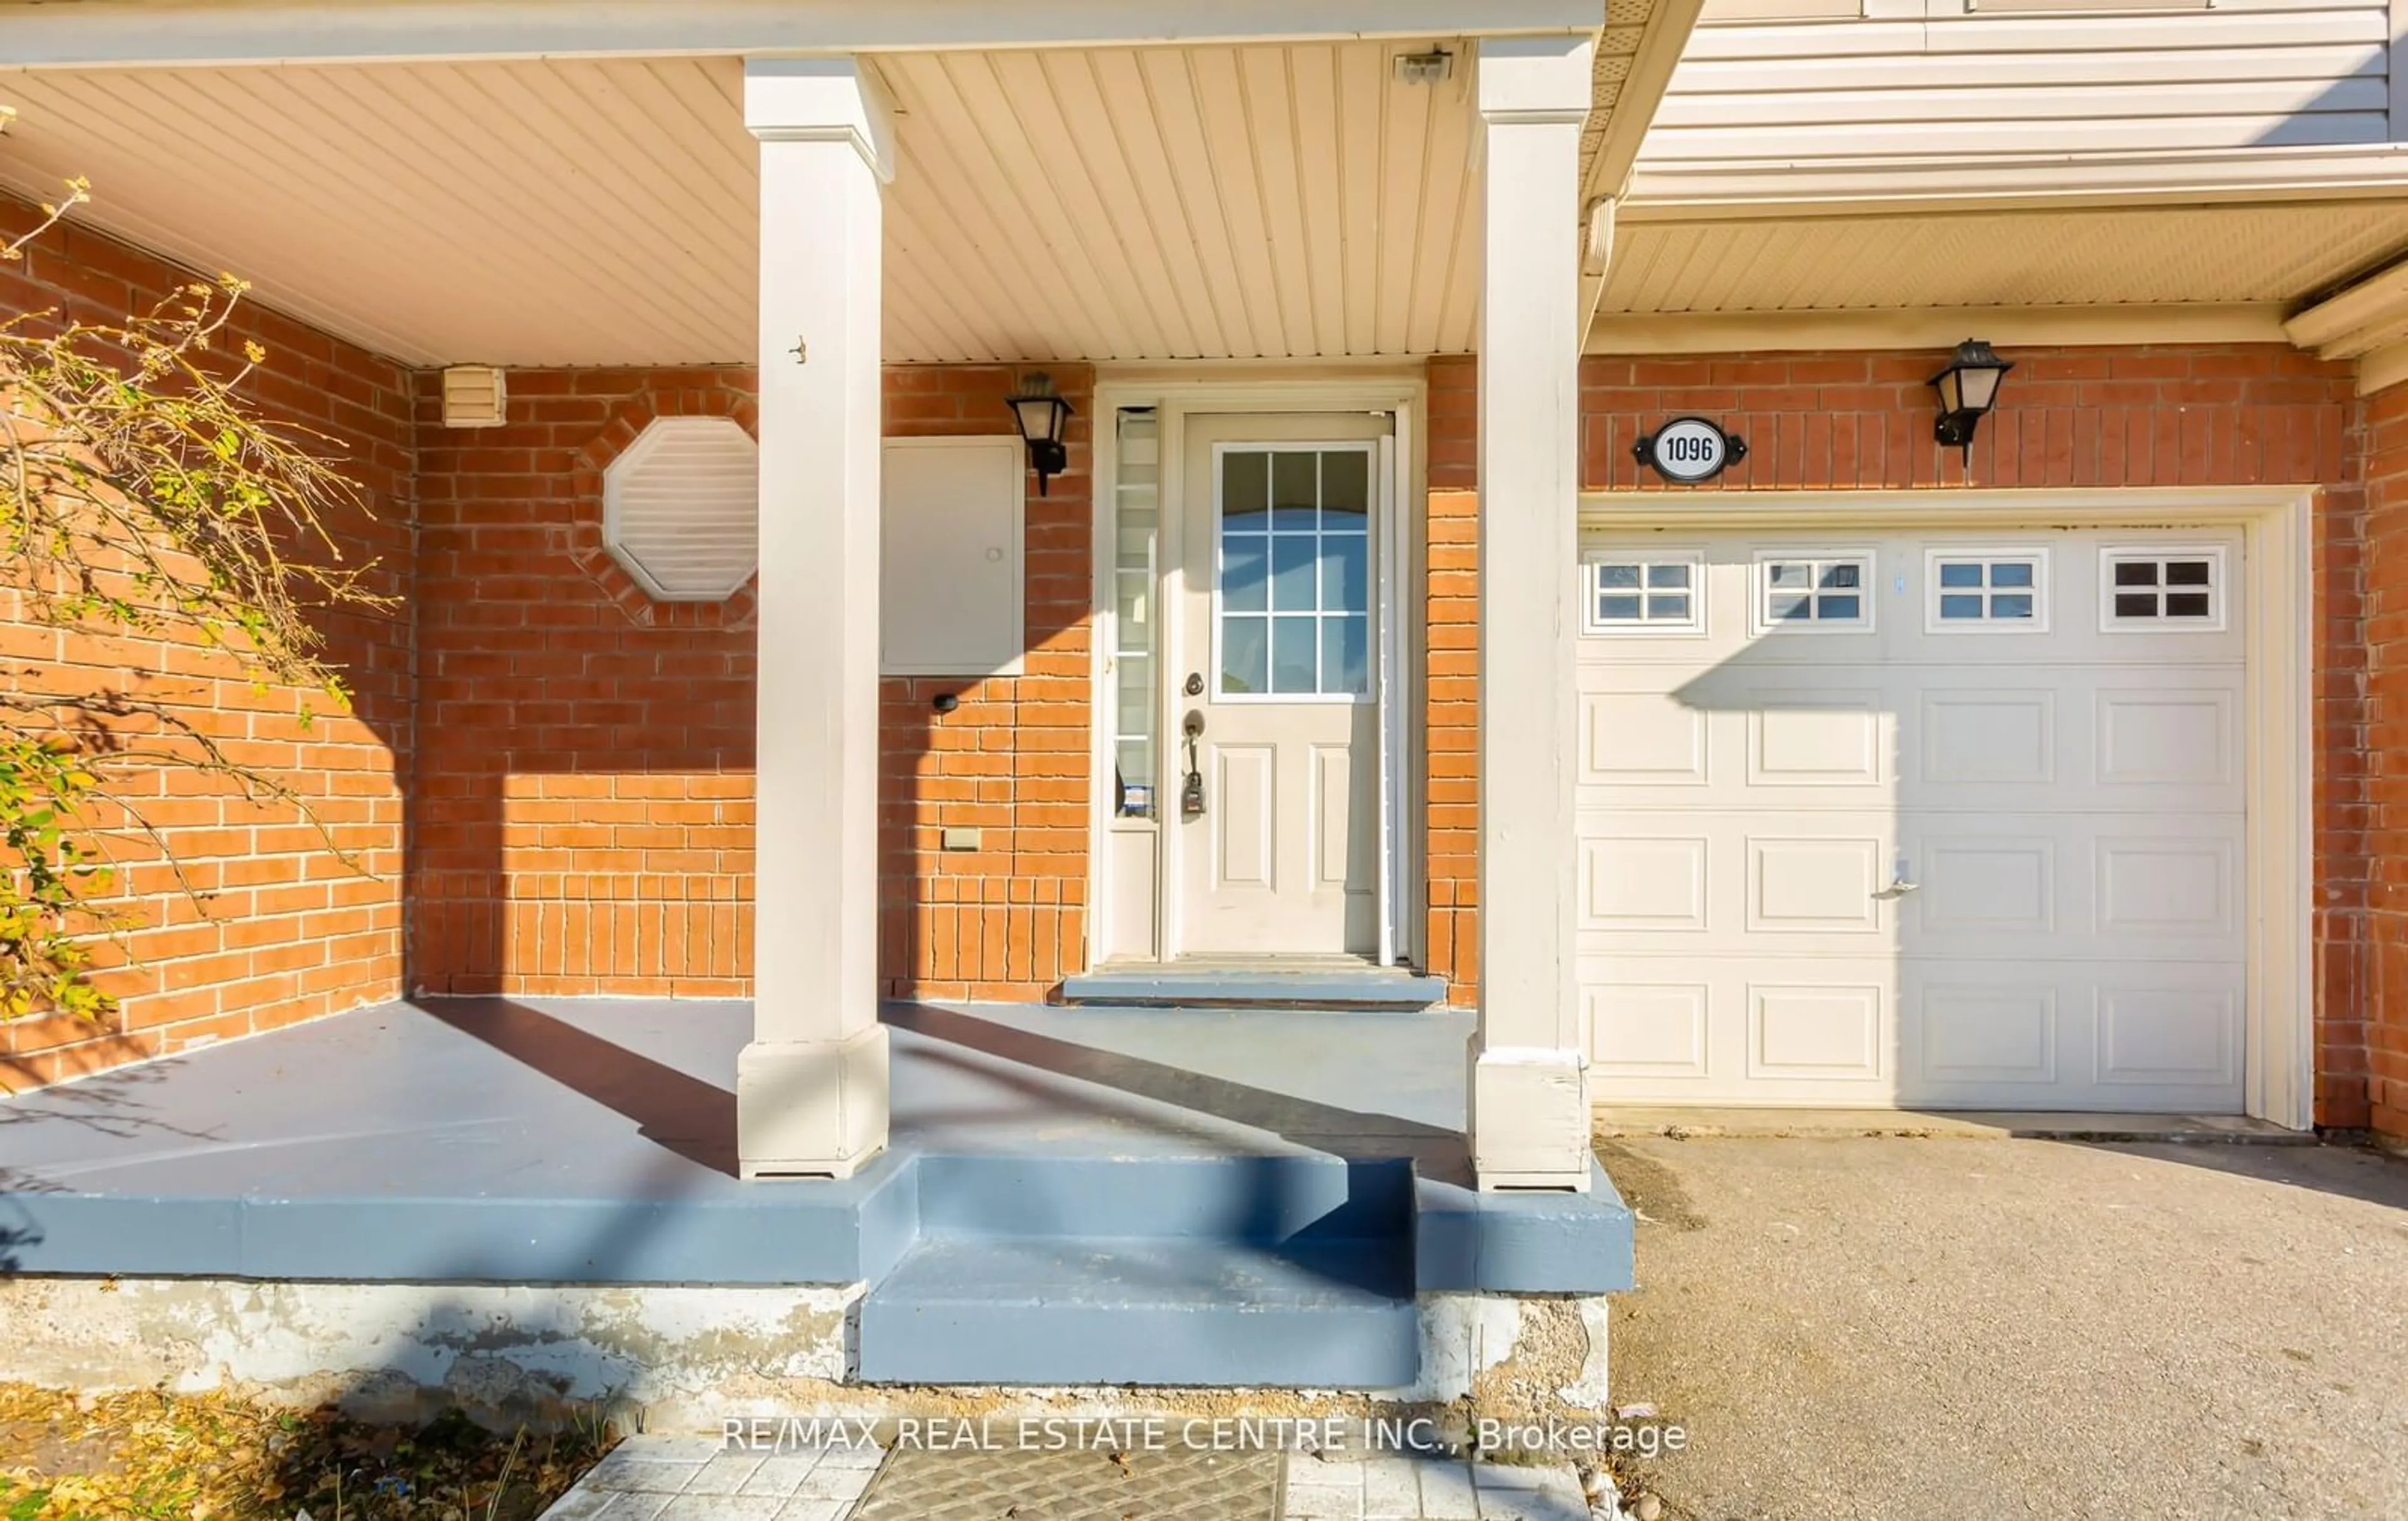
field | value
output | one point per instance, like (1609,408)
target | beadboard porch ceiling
(1276,201)
(1271,201)
(1668,264)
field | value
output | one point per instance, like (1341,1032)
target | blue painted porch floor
(1169,1169)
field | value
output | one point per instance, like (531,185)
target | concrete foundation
(667,1356)
(504,1352)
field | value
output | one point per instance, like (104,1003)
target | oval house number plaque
(1688,449)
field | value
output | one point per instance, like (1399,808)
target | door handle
(1191,790)
(1900,884)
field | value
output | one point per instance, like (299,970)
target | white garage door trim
(2278,562)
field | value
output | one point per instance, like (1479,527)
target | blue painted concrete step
(1327,1314)
(1260,1200)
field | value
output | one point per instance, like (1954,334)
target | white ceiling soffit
(521,214)
(1637,53)
(1180,203)
(1618,44)
(1119,204)
(2199,256)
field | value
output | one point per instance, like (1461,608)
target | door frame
(2276,523)
(1177,393)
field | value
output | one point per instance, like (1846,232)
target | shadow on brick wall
(263,926)
(584,818)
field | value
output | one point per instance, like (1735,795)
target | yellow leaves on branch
(143,493)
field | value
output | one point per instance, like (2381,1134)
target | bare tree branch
(143,493)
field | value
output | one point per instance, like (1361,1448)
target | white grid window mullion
(2174,589)
(1647,594)
(1987,591)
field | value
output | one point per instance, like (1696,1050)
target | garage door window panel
(1822,591)
(1658,594)
(1978,591)
(2161,590)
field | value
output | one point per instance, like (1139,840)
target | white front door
(1274,779)
(1952,820)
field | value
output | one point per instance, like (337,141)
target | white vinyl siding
(1980,81)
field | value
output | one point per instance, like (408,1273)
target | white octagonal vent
(681,507)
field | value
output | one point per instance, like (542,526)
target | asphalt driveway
(1891,1329)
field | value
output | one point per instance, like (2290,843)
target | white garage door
(1931,819)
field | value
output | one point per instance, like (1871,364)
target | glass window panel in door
(1294,560)
(1311,572)
(1245,573)
(1295,491)
(1245,493)
(1345,573)
(1245,656)
(1346,657)
(1346,490)
(1293,648)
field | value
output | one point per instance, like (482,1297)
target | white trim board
(2382,368)
(1667,190)
(1398,391)
(2367,322)
(1932,327)
(2278,566)
(121,33)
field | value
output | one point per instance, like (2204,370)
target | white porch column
(810,1090)
(1529,1097)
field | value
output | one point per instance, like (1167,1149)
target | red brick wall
(585,807)
(282,930)
(1008,919)
(2229,415)
(2193,415)
(1451,721)
(2342,868)
(2382,973)
(584,818)
(579,758)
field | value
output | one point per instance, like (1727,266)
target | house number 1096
(1688,449)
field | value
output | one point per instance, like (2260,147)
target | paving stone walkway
(659,1478)
(1414,1488)
(655,1478)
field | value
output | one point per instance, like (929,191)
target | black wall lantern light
(1042,417)
(1968,388)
